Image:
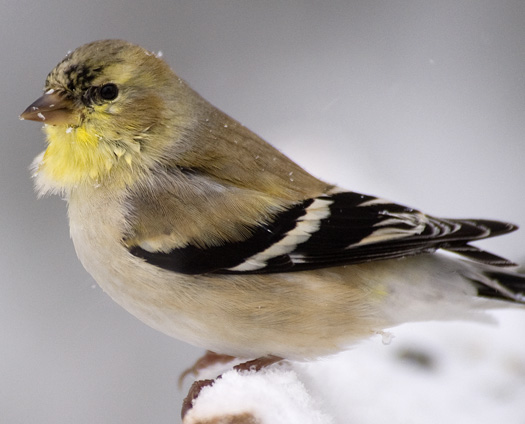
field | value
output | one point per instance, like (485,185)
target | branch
(273,395)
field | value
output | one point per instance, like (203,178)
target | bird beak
(52,109)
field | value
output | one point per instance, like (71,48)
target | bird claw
(208,359)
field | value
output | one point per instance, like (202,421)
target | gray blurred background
(419,102)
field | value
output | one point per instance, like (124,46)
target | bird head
(109,107)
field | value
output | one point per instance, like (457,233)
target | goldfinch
(204,231)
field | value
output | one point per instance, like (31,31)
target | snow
(430,373)
(274,395)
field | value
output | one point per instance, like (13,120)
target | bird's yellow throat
(77,156)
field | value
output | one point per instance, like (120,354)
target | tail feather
(509,286)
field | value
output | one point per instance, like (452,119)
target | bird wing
(330,230)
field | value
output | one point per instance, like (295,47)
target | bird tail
(490,281)
(502,285)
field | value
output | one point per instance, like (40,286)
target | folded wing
(330,230)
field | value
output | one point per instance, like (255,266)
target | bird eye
(108,91)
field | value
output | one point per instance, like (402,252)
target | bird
(207,233)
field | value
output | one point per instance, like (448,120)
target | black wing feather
(343,228)
(196,260)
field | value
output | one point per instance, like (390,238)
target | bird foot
(258,364)
(207,360)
